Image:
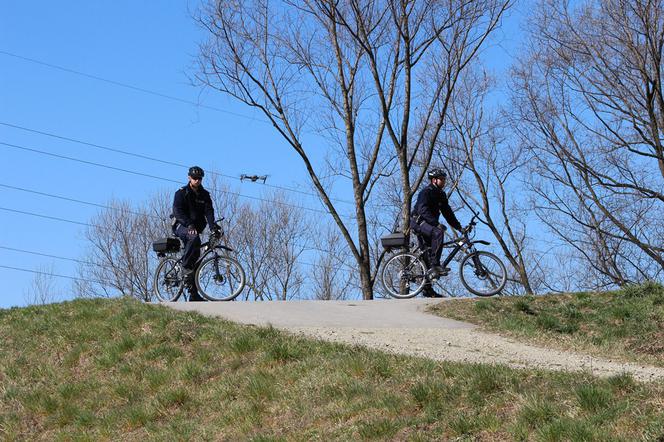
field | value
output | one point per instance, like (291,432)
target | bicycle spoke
(403,275)
(220,278)
(483,273)
(168,285)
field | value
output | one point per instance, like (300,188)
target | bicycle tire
(214,285)
(404,275)
(496,276)
(170,287)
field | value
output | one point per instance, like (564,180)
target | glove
(216,229)
(192,229)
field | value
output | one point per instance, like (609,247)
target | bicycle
(218,276)
(405,274)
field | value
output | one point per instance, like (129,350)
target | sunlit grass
(119,369)
(626,324)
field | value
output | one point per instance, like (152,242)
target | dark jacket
(431,202)
(192,208)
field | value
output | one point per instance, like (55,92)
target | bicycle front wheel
(167,282)
(404,275)
(220,278)
(483,273)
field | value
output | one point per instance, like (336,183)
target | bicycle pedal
(432,274)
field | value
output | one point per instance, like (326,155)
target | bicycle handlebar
(472,223)
(469,228)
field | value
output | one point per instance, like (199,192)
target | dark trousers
(192,246)
(432,237)
(192,251)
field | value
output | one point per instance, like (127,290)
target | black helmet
(437,172)
(196,172)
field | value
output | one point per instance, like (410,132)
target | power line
(70,221)
(146,157)
(95,205)
(54,218)
(132,87)
(132,172)
(91,163)
(60,197)
(86,143)
(46,255)
(51,274)
(159,94)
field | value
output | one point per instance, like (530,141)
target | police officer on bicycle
(431,202)
(192,211)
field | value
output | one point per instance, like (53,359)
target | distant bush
(647,289)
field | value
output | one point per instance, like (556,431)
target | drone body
(253,178)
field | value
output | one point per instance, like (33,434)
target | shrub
(650,288)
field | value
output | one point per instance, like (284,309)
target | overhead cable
(132,172)
(146,157)
(129,86)
(30,252)
(51,274)
(64,198)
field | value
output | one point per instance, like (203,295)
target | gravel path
(403,327)
(469,345)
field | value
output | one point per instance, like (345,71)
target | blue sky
(149,45)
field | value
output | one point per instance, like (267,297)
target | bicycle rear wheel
(404,275)
(483,273)
(220,278)
(168,285)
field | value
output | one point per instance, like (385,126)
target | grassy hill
(122,370)
(626,324)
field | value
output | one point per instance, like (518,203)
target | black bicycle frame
(458,245)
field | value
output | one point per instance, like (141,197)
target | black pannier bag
(394,240)
(166,245)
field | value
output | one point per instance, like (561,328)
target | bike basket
(394,240)
(166,245)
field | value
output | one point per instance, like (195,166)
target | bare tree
(43,288)
(250,241)
(416,59)
(333,277)
(590,106)
(488,167)
(270,241)
(120,259)
(326,66)
(226,200)
(120,254)
(289,235)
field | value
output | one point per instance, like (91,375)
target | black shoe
(195,297)
(431,293)
(186,273)
(437,270)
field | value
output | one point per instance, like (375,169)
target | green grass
(627,324)
(119,369)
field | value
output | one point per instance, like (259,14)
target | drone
(253,178)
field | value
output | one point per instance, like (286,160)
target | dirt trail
(404,327)
(472,345)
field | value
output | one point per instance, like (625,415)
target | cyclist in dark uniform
(192,211)
(431,202)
